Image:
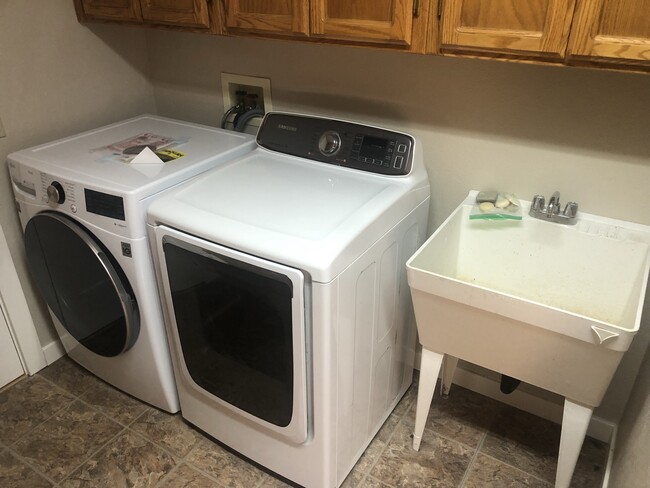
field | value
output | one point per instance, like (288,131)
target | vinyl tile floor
(63,427)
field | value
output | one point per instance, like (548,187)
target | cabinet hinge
(416,8)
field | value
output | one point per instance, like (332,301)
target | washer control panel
(338,142)
(41,188)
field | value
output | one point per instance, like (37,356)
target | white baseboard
(53,351)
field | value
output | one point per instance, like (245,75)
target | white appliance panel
(84,157)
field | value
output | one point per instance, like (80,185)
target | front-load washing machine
(284,286)
(82,203)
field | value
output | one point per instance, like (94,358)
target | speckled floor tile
(404,405)
(525,441)
(591,465)
(16,474)
(358,480)
(388,428)
(370,482)
(223,466)
(128,461)
(106,439)
(63,442)
(354,479)
(486,471)
(272,482)
(438,463)
(370,456)
(28,403)
(185,476)
(464,416)
(168,431)
(113,403)
(67,374)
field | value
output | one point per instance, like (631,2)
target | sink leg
(575,421)
(429,371)
(448,369)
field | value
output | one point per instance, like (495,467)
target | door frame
(19,318)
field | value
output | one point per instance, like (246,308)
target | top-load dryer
(284,281)
(82,203)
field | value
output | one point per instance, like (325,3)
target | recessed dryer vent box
(231,83)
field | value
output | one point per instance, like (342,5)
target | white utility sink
(553,305)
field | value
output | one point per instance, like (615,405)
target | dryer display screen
(104,204)
(373,147)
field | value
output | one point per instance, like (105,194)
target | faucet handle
(538,203)
(571,210)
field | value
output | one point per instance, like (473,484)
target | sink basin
(553,305)
(550,304)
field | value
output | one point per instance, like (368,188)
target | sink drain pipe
(509,384)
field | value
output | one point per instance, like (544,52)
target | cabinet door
(612,30)
(123,10)
(268,16)
(515,27)
(375,21)
(187,13)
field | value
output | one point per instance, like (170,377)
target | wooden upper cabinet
(374,21)
(280,17)
(191,14)
(614,31)
(537,28)
(187,13)
(122,10)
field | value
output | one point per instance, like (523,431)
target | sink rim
(525,310)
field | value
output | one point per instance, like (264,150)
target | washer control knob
(329,143)
(55,193)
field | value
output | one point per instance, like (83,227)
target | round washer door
(82,284)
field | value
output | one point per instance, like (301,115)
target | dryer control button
(329,143)
(73,208)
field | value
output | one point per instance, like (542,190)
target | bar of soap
(486,206)
(487,196)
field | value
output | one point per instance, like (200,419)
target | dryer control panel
(338,142)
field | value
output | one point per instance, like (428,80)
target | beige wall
(57,77)
(483,124)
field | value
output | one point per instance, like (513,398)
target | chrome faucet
(552,211)
(553,205)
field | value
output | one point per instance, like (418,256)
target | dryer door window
(240,324)
(83,285)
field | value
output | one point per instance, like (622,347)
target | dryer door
(240,323)
(82,284)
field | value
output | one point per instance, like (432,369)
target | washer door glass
(82,284)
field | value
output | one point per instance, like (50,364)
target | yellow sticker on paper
(169,154)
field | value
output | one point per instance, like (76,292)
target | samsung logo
(288,127)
